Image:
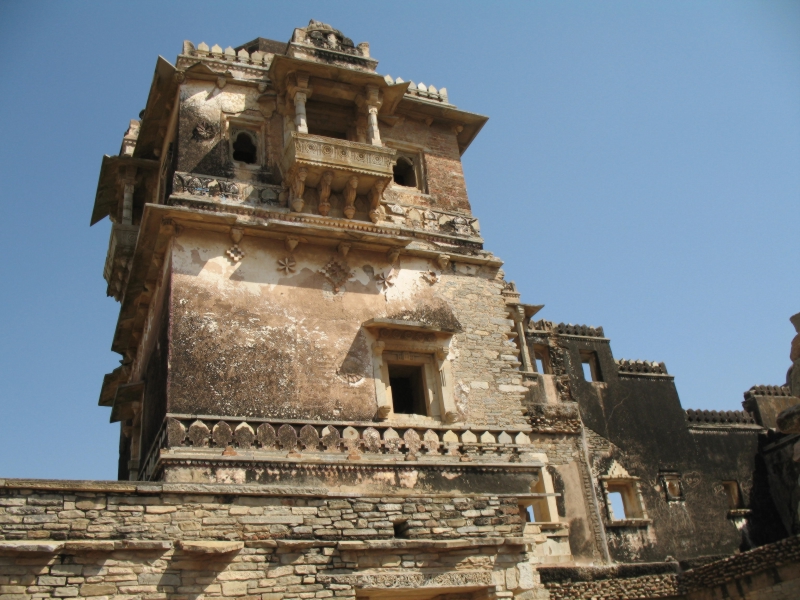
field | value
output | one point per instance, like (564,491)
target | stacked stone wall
(489,385)
(104,539)
(155,512)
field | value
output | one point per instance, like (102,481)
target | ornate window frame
(414,343)
(254,126)
(628,488)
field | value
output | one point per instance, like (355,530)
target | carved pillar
(300,122)
(371,103)
(297,89)
(350,197)
(324,188)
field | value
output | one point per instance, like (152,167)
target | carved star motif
(235,253)
(287,265)
(385,280)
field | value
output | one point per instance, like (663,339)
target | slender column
(373,133)
(300,121)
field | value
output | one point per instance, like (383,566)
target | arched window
(244,148)
(404,173)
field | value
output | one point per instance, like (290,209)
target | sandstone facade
(329,389)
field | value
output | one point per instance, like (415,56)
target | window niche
(541,357)
(624,502)
(671,486)
(408,172)
(733,493)
(538,509)
(246,137)
(591,366)
(413,376)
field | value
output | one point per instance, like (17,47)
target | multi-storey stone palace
(329,390)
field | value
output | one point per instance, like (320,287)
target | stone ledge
(29,546)
(428,543)
(216,547)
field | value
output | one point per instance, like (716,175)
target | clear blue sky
(640,171)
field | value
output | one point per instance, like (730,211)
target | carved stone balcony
(120,253)
(332,165)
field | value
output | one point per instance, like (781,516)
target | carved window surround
(412,343)
(628,488)
(233,124)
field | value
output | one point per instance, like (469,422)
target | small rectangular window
(408,389)
(590,365)
(541,355)
(623,501)
(617,505)
(734,496)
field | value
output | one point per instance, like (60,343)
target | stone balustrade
(379,441)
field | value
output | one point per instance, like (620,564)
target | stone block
(98,589)
(234,588)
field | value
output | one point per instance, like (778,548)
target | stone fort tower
(328,388)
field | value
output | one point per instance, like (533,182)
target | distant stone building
(328,388)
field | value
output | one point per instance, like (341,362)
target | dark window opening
(244,149)
(408,392)
(591,368)
(400,529)
(404,173)
(541,354)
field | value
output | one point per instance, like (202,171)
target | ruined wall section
(637,434)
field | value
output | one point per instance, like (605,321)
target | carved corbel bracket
(324,189)
(392,256)
(297,187)
(375,196)
(290,243)
(343,248)
(443,260)
(267,103)
(350,197)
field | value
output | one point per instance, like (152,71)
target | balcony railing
(333,165)
(372,441)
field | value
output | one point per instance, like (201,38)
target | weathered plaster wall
(249,339)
